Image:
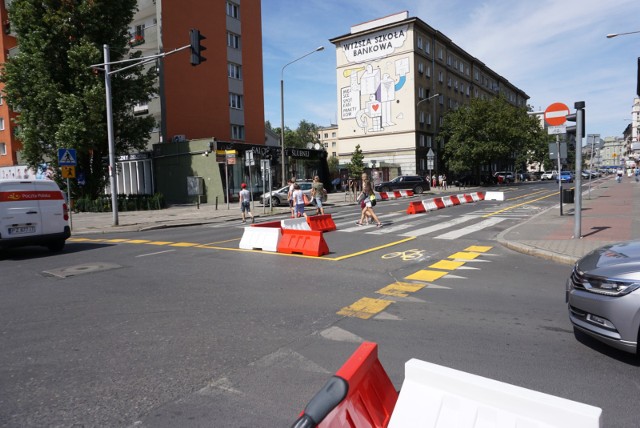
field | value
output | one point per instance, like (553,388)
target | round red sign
(556,114)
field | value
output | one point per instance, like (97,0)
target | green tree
(60,99)
(334,163)
(356,166)
(490,131)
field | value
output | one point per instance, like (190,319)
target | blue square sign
(67,157)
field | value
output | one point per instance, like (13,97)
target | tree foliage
(488,132)
(60,99)
(356,166)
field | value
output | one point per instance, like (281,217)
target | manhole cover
(82,269)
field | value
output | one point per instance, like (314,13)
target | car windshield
(396,180)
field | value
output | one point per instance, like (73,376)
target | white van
(33,212)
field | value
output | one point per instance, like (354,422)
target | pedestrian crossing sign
(68,172)
(67,157)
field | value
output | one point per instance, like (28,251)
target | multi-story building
(396,78)
(328,137)
(9,146)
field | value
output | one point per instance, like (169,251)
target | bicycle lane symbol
(408,255)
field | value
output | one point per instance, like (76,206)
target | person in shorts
(298,200)
(318,193)
(245,203)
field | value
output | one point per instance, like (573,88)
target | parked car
(565,177)
(534,175)
(549,175)
(465,180)
(590,174)
(507,177)
(405,182)
(280,196)
(602,295)
(33,212)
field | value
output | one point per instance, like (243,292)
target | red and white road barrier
(396,194)
(446,201)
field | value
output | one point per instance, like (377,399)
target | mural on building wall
(373,81)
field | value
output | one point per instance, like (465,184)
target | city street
(178,327)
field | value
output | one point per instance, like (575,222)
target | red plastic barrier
(323,223)
(468,197)
(397,194)
(416,207)
(439,203)
(384,196)
(268,224)
(371,396)
(307,242)
(455,200)
(481,196)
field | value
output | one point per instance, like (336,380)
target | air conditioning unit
(180,138)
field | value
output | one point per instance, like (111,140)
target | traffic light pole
(577,216)
(113,182)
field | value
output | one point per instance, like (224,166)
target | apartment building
(396,79)
(328,137)
(9,146)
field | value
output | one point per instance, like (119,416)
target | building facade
(396,79)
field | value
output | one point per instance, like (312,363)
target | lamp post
(319,48)
(612,35)
(430,155)
(427,99)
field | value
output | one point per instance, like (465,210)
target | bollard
(216,203)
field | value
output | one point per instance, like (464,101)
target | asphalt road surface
(178,327)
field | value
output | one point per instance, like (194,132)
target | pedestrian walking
(318,193)
(245,203)
(291,182)
(298,200)
(367,197)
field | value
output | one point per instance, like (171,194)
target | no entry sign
(556,114)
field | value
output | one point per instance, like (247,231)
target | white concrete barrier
(261,238)
(299,223)
(434,396)
(429,205)
(494,196)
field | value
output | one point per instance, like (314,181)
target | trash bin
(567,196)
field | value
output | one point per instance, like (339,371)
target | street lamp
(427,99)
(319,48)
(612,35)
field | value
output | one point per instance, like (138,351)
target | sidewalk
(610,213)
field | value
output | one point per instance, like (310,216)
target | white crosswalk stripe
(454,234)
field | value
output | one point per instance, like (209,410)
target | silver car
(280,196)
(602,295)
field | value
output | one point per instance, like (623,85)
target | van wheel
(56,246)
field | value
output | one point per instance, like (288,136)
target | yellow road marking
(159,243)
(184,244)
(478,248)
(223,242)
(465,255)
(116,240)
(528,195)
(365,308)
(137,241)
(519,205)
(401,289)
(84,240)
(446,265)
(359,253)
(426,275)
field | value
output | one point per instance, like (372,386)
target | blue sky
(554,50)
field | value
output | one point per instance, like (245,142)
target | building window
(427,47)
(235,100)
(233,40)
(429,141)
(420,92)
(429,119)
(333,144)
(449,82)
(441,99)
(233,10)
(1,100)
(235,71)
(428,71)
(440,77)
(419,42)
(421,118)
(333,135)
(449,60)
(3,149)
(421,140)
(1,123)
(237,132)
(420,67)
(326,145)
(440,54)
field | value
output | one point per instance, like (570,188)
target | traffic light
(579,105)
(196,46)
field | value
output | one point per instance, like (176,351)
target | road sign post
(556,116)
